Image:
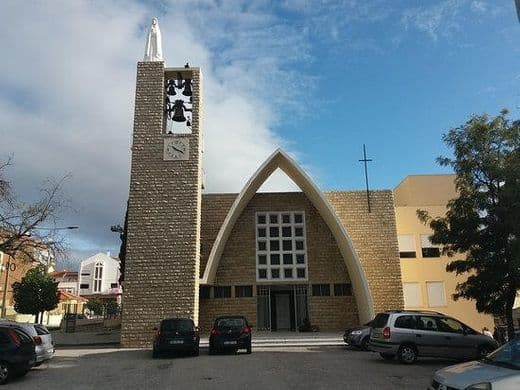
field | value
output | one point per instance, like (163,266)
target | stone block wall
(217,307)
(374,237)
(238,263)
(162,262)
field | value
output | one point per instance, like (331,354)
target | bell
(178,111)
(179,80)
(188,122)
(187,88)
(170,89)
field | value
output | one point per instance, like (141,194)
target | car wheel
(407,354)
(212,350)
(364,343)
(387,356)
(248,349)
(155,354)
(5,372)
(196,351)
(483,351)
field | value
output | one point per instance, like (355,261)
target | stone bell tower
(164,207)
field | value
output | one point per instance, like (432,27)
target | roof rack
(417,311)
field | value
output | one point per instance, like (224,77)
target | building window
(428,249)
(222,291)
(412,295)
(85,274)
(321,290)
(406,246)
(84,286)
(281,246)
(436,295)
(204,292)
(243,291)
(98,277)
(342,289)
(114,285)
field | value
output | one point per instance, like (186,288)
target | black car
(230,334)
(17,354)
(176,335)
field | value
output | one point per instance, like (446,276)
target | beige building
(426,284)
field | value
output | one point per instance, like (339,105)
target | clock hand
(178,150)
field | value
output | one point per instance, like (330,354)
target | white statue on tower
(153,48)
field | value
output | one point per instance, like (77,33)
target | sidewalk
(260,339)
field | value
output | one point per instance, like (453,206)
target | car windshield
(506,356)
(177,326)
(230,323)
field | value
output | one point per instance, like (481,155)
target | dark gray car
(358,336)
(411,334)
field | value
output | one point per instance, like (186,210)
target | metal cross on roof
(366,160)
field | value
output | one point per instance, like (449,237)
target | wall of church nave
(211,308)
(333,313)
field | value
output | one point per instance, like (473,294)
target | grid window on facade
(342,289)
(281,246)
(427,248)
(406,246)
(321,290)
(222,291)
(243,291)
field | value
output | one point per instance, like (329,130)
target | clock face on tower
(176,149)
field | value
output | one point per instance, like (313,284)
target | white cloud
(67,86)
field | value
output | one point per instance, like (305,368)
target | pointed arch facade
(280,160)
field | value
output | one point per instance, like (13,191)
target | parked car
(358,336)
(17,353)
(411,334)
(230,333)
(42,338)
(176,335)
(499,370)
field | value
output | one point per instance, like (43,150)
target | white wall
(110,274)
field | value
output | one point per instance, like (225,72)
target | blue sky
(317,78)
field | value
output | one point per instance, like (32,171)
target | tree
(28,230)
(96,306)
(483,222)
(36,293)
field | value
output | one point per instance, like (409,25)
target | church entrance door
(281,307)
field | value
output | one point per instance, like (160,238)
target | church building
(280,259)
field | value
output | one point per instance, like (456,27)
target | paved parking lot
(280,368)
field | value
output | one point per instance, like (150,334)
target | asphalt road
(280,368)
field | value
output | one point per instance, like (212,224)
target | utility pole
(365,161)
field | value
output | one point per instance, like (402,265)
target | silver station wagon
(412,334)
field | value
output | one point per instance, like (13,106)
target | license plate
(230,342)
(176,341)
